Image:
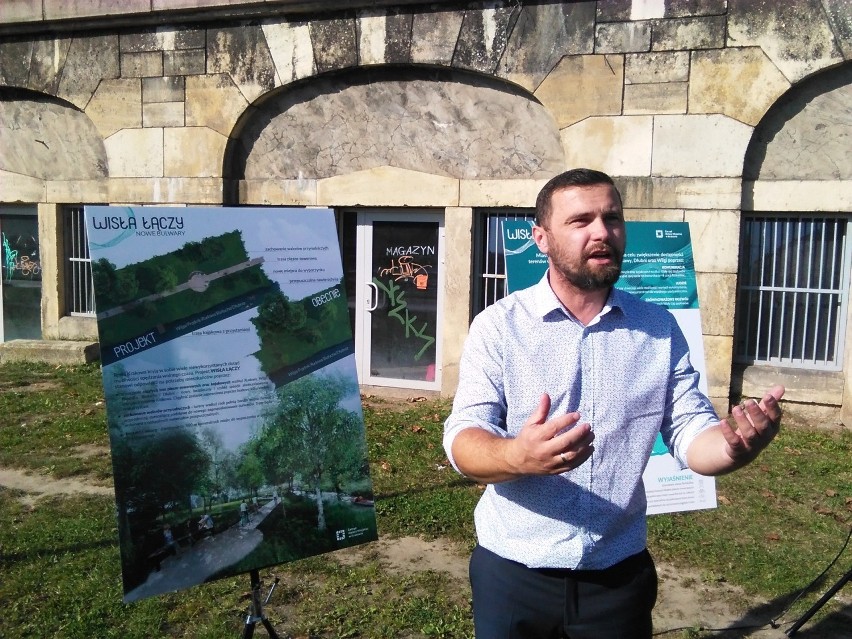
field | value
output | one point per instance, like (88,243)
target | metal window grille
(79,288)
(793,290)
(489,284)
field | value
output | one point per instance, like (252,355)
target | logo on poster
(113,223)
(519,234)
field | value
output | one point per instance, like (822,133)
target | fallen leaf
(773,537)
(723,500)
(831,493)
(417,428)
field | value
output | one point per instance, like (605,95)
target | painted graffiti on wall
(405,268)
(16,265)
(400,311)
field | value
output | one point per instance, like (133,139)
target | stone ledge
(49,351)
(802,386)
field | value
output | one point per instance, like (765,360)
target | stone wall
(450,105)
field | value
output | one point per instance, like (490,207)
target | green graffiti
(10,257)
(399,311)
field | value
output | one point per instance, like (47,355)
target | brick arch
(48,139)
(439,121)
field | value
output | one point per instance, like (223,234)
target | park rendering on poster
(232,398)
(657,267)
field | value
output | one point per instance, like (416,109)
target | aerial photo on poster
(232,397)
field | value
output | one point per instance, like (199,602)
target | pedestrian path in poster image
(195,564)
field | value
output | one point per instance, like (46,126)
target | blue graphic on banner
(658,265)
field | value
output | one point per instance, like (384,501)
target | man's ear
(540,237)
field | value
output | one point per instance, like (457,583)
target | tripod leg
(819,604)
(269,628)
(248,630)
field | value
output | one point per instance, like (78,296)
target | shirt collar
(546,302)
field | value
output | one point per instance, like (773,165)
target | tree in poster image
(114,286)
(322,440)
(215,482)
(277,314)
(277,458)
(160,475)
(250,475)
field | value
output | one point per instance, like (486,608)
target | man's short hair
(574,177)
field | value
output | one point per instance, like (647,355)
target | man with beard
(562,390)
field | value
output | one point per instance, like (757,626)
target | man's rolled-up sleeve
(479,401)
(688,411)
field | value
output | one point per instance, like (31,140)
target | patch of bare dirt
(28,387)
(87,451)
(410,554)
(393,399)
(34,486)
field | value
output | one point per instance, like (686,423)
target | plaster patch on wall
(647,9)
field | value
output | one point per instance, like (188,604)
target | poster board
(658,267)
(231,390)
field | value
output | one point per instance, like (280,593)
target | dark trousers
(511,601)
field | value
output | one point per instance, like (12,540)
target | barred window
(489,284)
(79,288)
(793,290)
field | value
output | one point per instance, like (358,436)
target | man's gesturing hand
(722,448)
(757,425)
(550,447)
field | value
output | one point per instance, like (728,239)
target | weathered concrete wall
(338,108)
(45,139)
(444,124)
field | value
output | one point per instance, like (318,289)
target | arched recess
(794,272)
(46,138)
(806,134)
(443,122)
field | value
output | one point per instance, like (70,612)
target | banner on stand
(231,391)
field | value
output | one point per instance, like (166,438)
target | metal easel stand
(819,604)
(256,611)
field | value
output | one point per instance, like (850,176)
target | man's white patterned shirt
(627,373)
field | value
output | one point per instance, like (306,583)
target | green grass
(779,522)
(53,420)
(786,512)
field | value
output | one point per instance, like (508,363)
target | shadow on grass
(40,553)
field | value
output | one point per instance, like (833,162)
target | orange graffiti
(405,269)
